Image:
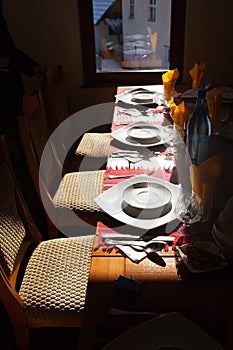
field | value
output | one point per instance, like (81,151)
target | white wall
(49,31)
(140,21)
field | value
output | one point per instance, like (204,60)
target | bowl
(146,200)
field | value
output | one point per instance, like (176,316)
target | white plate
(145,133)
(196,270)
(112,202)
(146,200)
(124,135)
(142,96)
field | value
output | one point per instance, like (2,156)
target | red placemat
(159,173)
(181,237)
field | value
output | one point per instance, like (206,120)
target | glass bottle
(199,130)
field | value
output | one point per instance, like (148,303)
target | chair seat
(55,281)
(78,190)
(94,145)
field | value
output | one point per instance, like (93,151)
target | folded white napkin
(132,112)
(131,253)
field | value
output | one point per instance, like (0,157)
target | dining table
(125,286)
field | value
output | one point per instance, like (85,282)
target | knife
(124,151)
(123,155)
(130,239)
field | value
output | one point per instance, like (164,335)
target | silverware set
(126,153)
(165,160)
(150,248)
(111,176)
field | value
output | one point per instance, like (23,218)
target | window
(118,53)
(152,11)
(131,9)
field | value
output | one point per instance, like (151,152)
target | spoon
(152,246)
(151,249)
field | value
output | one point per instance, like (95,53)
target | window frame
(131,9)
(94,79)
(152,11)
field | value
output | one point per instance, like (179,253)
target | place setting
(134,243)
(143,159)
(143,96)
(140,216)
(136,251)
(141,201)
(143,134)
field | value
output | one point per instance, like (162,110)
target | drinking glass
(172,134)
(189,209)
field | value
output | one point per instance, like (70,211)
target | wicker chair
(73,192)
(55,96)
(42,283)
(58,108)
